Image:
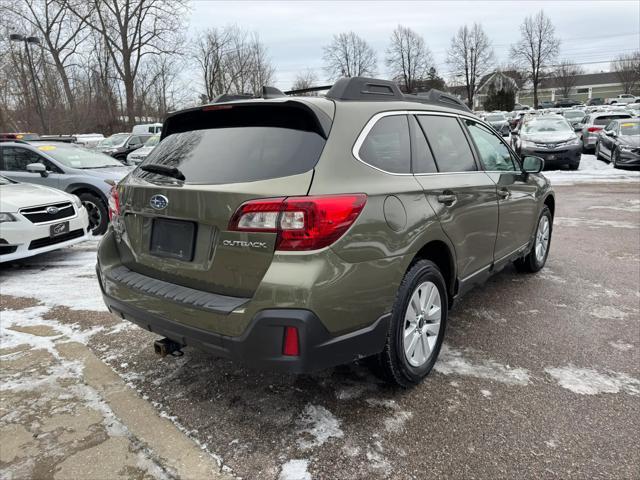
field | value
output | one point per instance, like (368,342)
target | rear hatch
(177,230)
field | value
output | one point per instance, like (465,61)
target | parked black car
(546,104)
(566,102)
(595,101)
(619,143)
(120,145)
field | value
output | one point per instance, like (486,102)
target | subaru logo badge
(52,210)
(159,202)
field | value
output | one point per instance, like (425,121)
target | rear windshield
(244,145)
(605,119)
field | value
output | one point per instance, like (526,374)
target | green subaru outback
(299,233)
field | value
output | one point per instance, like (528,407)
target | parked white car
(623,99)
(137,156)
(147,128)
(36,219)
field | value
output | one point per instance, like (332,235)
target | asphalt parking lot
(539,377)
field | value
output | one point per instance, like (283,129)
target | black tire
(574,166)
(392,362)
(597,152)
(97,211)
(530,262)
(615,156)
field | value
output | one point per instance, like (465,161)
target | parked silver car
(593,123)
(85,173)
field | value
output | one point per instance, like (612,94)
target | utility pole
(16,37)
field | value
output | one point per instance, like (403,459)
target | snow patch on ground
(592,223)
(628,206)
(620,345)
(317,426)
(608,313)
(452,362)
(486,393)
(295,470)
(586,381)
(65,277)
(592,170)
(395,422)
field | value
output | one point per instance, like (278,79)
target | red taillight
(594,129)
(302,223)
(114,203)
(291,346)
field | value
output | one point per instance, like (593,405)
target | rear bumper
(260,346)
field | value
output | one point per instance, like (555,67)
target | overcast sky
(295,32)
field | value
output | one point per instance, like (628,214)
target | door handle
(504,194)
(447,198)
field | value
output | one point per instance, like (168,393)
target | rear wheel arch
(438,252)
(79,189)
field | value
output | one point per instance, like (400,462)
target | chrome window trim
(355,151)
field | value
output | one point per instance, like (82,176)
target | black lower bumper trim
(260,346)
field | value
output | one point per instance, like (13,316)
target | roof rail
(361,88)
(12,140)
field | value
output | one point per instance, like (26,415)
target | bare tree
(408,57)
(470,56)
(627,69)
(566,76)
(349,55)
(133,30)
(231,60)
(305,79)
(61,32)
(536,49)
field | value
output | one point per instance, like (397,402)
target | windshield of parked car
(114,140)
(630,128)
(5,181)
(78,157)
(547,124)
(605,119)
(495,117)
(573,115)
(153,141)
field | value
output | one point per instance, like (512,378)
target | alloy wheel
(95,216)
(542,238)
(422,324)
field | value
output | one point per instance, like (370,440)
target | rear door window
(387,145)
(448,143)
(238,144)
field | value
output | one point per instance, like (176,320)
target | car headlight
(575,141)
(527,144)
(626,148)
(7,217)
(77,202)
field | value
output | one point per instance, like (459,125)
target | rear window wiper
(163,170)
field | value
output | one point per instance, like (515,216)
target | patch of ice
(629,206)
(586,381)
(485,393)
(452,362)
(295,470)
(320,424)
(620,345)
(53,282)
(591,170)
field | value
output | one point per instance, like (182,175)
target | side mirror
(38,168)
(532,164)
(577,127)
(610,133)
